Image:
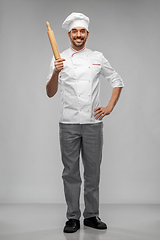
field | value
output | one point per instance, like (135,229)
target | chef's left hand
(100,112)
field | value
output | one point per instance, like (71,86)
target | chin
(79,45)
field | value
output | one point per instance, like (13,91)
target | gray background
(127,32)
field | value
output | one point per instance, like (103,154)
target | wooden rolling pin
(53,42)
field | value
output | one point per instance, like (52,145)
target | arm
(52,84)
(100,112)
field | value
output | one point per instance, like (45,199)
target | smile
(79,40)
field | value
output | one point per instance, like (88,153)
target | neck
(77,48)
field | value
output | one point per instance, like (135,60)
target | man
(81,127)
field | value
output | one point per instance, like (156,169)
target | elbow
(51,94)
(51,90)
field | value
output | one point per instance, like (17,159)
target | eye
(74,31)
(83,31)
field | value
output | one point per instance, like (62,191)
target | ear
(87,34)
(69,34)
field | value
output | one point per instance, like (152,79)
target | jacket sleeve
(110,74)
(51,68)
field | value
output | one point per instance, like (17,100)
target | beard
(78,41)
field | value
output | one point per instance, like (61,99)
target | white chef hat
(76,20)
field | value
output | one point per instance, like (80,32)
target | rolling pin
(53,42)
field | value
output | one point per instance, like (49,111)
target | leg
(70,142)
(92,141)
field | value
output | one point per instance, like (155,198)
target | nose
(78,33)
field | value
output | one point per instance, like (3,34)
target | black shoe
(95,222)
(72,225)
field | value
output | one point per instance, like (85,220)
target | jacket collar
(75,51)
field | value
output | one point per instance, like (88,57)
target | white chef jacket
(80,86)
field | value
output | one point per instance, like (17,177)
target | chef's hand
(59,64)
(100,112)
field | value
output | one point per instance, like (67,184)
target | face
(78,37)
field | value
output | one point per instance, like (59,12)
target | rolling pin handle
(48,26)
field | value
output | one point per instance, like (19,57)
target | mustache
(79,38)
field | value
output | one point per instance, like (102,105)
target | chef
(77,74)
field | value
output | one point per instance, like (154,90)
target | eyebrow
(77,29)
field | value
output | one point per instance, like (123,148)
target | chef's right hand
(59,64)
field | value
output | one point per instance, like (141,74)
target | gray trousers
(86,139)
